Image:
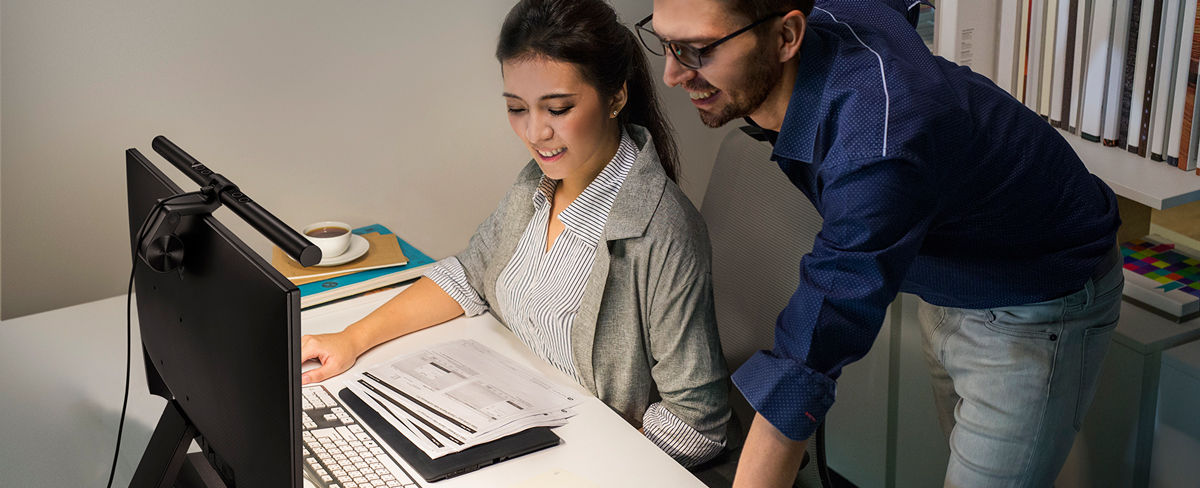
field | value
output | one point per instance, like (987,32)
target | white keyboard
(339,452)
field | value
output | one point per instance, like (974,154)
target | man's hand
(769,458)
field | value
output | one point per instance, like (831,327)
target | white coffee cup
(332,237)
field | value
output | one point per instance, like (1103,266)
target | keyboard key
(344,454)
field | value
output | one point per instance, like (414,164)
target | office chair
(760,225)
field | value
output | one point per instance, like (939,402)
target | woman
(595,259)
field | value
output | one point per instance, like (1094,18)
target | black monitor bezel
(221,341)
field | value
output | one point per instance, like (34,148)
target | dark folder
(450,465)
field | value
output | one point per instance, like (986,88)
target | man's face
(735,77)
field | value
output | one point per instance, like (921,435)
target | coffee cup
(332,237)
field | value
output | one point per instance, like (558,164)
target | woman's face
(562,119)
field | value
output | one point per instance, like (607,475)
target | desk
(63,372)
(1177,428)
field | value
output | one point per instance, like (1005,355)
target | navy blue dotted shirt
(931,180)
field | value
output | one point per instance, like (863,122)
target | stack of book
(389,261)
(1163,277)
(1120,72)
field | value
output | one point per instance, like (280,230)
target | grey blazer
(645,329)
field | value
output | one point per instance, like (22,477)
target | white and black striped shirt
(539,291)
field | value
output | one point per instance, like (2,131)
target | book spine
(1113,100)
(1194,142)
(1022,55)
(1129,73)
(1078,25)
(1007,41)
(1143,139)
(358,288)
(945,33)
(1092,119)
(1191,60)
(1033,61)
(978,28)
(1164,85)
(1064,49)
(1048,49)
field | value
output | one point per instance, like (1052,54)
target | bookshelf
(1056,54)
(1150,183)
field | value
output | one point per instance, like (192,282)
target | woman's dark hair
(588,34)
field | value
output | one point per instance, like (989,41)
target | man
(930,180)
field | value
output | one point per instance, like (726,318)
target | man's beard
(762,74)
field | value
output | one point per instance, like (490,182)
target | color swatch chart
(1162,263)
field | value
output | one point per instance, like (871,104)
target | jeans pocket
(1095,345)
(1041,320)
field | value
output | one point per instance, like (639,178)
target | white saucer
(358,247)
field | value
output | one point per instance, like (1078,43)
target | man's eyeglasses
(688,56)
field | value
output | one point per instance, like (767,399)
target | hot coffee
(331,236)
(326,232)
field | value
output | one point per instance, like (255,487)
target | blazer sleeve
(688,366)
(478,254)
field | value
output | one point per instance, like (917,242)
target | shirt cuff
(450,275)
(790,395)
(678,439)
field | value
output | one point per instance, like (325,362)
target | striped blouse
(539,291)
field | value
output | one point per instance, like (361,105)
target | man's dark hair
(757,9)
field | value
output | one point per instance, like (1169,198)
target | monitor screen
(221,337)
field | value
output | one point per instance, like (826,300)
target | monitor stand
(166,462)
(198,473)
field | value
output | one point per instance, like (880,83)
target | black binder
(450,465)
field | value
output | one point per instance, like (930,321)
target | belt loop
(1111,259)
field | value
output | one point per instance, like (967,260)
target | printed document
(461,394)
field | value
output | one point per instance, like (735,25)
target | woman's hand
(421,305)
(336,352)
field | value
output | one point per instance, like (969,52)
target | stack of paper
(461,394)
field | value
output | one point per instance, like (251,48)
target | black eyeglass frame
(699,52)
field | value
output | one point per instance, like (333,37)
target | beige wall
(384,110)
(1,161)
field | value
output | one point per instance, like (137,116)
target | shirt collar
(587,215)
(544,193)
(759,133)
(798,133)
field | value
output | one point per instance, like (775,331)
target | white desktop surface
(62,373)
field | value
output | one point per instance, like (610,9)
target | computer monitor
(220,338)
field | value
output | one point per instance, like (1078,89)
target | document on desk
(461,394)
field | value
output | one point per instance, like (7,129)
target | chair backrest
(760,226)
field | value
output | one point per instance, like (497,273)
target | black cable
(129,324)
(822,468)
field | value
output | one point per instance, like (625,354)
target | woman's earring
(614,115)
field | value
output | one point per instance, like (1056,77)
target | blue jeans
(1012,384)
